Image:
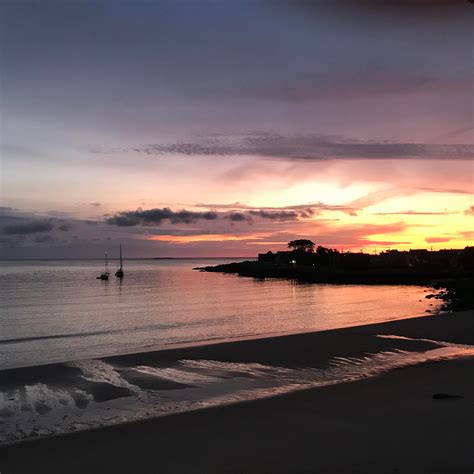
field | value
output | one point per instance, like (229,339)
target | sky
(227,128)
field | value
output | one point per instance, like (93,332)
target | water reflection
(162,303)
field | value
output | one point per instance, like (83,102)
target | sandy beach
(385,424)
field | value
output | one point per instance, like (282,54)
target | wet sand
(385,424)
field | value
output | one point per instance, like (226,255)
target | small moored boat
(105,274)
(119,272)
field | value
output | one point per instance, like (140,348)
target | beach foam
(95,393)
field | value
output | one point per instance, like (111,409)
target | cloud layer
(311,147)
(157,216)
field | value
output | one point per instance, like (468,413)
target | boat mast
(120,256)
(106,264)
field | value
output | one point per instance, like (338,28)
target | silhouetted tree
(301,245)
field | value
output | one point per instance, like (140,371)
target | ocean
(56,311)
(63,332)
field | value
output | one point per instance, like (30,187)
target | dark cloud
(184,216)
(124,220)
(276,215)
(306,214)
(64,227)
(31,227)
(238,217)
(157,216)
(311,147)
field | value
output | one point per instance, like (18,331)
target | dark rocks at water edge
(457,294)
(444,396)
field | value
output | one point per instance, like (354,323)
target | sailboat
(105,274)
(119,272)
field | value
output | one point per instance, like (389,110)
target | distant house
(287,257)
(355,261)
(418,257)
(392,258)
(268,257)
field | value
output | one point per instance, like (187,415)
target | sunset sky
(227,128)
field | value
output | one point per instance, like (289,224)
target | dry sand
(384,424)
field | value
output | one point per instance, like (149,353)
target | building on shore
(413,258)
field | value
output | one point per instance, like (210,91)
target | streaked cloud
(414,213)
(310,147)
(442,189)
(310,208)
(437,240)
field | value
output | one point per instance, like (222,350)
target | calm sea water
(56,311)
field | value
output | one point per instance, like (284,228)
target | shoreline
(326,419)
(187,349)
(299,350)
(183,346)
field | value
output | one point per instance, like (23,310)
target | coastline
(325,416)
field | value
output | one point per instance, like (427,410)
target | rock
(442,396)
